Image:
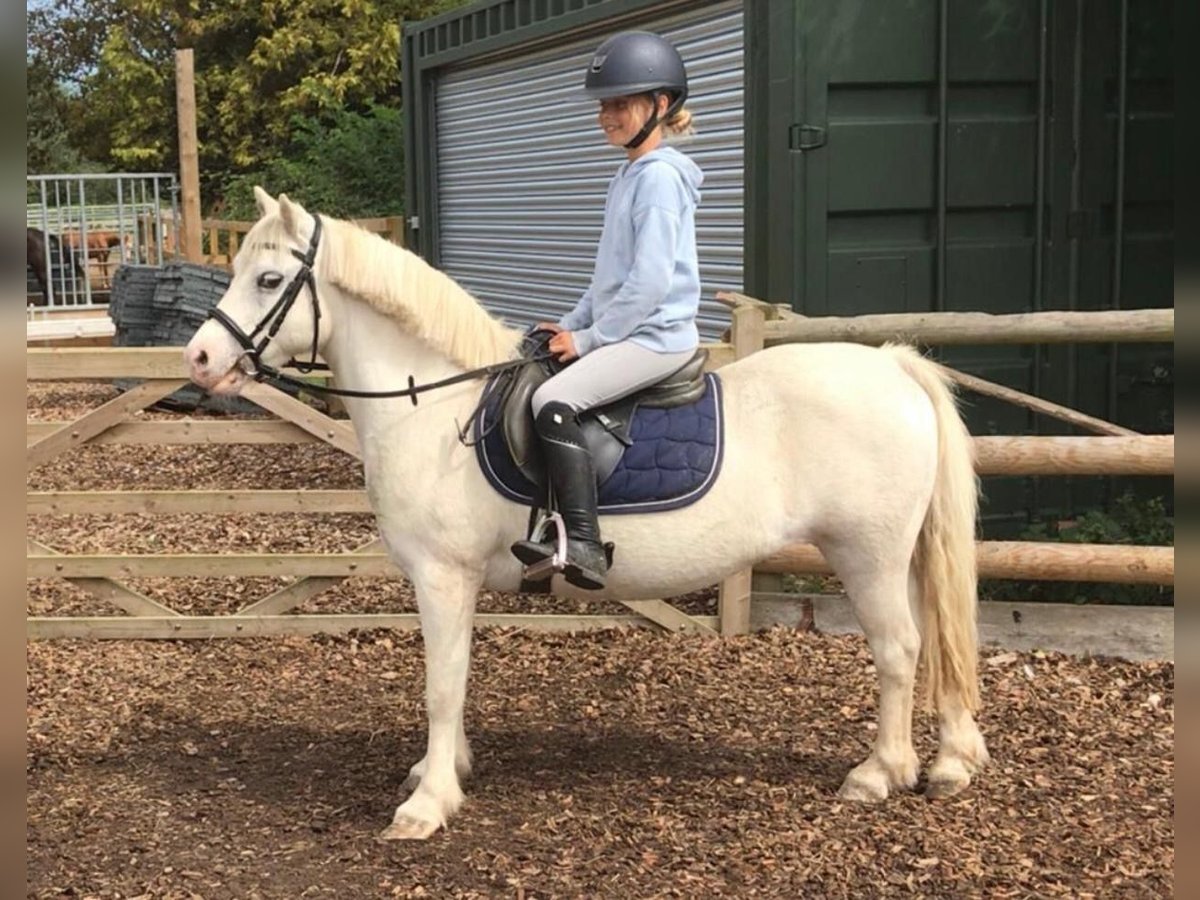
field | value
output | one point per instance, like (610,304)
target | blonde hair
(680,123)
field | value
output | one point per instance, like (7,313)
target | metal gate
(80,228)
(522,170)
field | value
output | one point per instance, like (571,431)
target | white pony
(858,450)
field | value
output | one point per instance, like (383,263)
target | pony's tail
(944,562)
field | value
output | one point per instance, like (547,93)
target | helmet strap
(650,125)
(654,120)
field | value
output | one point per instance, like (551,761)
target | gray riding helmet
(638,62)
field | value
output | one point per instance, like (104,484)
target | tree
(344,163)
(47,144)
(260,65)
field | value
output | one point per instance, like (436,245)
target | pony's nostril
(202,358)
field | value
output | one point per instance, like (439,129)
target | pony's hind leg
(446,601)
(961,750)
(878,592)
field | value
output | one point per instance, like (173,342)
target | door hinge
(806,137)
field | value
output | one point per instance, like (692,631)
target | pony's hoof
(946,787)
(406,828)
(950,775)
(862,791)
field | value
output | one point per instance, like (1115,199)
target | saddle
(606,429)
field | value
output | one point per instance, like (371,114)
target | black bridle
(269,325)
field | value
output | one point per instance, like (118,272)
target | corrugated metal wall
(992,155)
(523,169)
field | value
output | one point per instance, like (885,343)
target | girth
(605,428)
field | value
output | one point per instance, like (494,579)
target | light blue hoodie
(646,285)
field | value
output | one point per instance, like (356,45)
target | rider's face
(621,118)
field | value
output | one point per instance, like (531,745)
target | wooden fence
(162,372)
(220,238)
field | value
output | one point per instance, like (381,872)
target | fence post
(733,599)
(396,230)
(189,155)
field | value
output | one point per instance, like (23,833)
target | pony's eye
(270,280)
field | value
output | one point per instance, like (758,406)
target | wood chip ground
(612,764)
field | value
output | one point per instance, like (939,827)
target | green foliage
(1130,521)
(48,148)
(260,67)
(345,164)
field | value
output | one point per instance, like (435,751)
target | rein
(270,324)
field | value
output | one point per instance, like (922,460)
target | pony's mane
(427,303)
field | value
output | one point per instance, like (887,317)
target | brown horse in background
(36,241)
(96,245)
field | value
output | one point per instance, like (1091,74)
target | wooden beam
(61,503)
(292,595)
(103,417)
(204,627)
(733,603)
(109,591)
(209,565)
(770,311)
(334,432)
(746,335)
(953,328)
(189,154)
(189,431)
(1034,561)
(1037,404)
(94,364)
(103,363)
(1117,563)
(719,354)
(668,617)
(997,455)
(749,323)
(1152,454)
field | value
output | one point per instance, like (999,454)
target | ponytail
(680,123)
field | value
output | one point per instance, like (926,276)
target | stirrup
(557,561)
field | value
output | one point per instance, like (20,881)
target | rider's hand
(562,345)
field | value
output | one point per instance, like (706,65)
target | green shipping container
(863,156)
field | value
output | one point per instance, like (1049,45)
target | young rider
(635,324)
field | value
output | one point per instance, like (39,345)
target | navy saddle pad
(674,459)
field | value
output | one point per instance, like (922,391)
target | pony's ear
(265,202)
(295,219)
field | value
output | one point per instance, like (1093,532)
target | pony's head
(272,310)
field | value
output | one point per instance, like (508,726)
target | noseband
(270,324)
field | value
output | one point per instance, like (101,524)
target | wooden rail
(950,328)
(1116,563)
(1147,454)
(223,237)
(163,369)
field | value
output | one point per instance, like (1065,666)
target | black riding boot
(573,477)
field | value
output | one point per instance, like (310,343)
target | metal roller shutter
(523,168)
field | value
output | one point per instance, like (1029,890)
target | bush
(345,164)
(1131,521)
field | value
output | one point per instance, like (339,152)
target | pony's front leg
(446,600)
(462,761)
